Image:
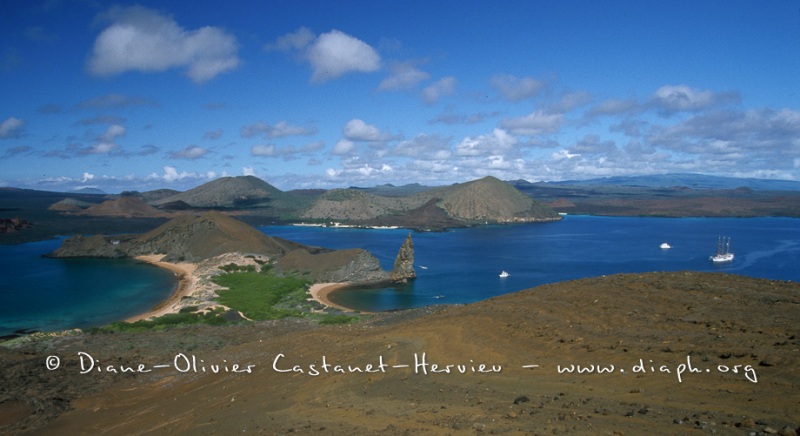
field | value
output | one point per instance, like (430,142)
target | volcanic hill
(487,200)
(193,238)
(225,192)
(187,238)
(196,238)
(124,207)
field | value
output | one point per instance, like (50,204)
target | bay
(453,267)
(44,294)
(463,265)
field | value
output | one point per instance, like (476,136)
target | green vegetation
(185,317)
(330,318)
(232,267)
(259,296)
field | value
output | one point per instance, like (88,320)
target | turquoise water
(42,294)
(461,266)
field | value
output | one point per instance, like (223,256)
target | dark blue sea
(43,294)
(453,267)
(463,265)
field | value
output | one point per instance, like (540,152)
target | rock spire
(404,263)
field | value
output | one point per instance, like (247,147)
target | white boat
(504,274)
(665,246)
(723,250)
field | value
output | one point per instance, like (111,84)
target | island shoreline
(322,291)
(187,285)
(184,288)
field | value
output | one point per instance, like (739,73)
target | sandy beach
(320,292)
(186,285)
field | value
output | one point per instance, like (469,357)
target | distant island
(424,208)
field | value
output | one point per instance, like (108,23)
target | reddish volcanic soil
(680,353)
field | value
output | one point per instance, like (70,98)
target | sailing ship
(723,250)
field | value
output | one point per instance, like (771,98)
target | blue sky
(311,94)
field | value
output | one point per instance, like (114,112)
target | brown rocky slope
(692,353)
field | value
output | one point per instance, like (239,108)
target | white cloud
(535,123)
(563,154)
(615,107)
(681,98)
(248,171)
(496,143)
(294,41)
(403,76)
(424,146)
(141,39)
(335,53)
(443,87)
(344,146)
(358,130)
(171,174)
(279,130)
(516,89)
(112,133)
(190,152)
(10,127)
(100,148)
(263,150)
(87,177)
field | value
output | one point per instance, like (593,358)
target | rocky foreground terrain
(663,353)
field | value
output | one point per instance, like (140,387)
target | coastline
(186,286)
(321,291)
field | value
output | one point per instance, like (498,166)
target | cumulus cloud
(141,39)
(424,146)
(279,130)
(336,53)
(670,99)
(516,89)
(615,107)
(287,152)
(360,172)
(171,175)
(358,130)
(330,55)
(343,146)
(105,143)
(404,76)
(190,152)
(293,41)
(496,143)
(112,133)
(263,150)
(759,134)
(10,128)
(536,123)
(442,87)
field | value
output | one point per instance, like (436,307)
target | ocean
(453,267)
(463,265)
(43,294)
